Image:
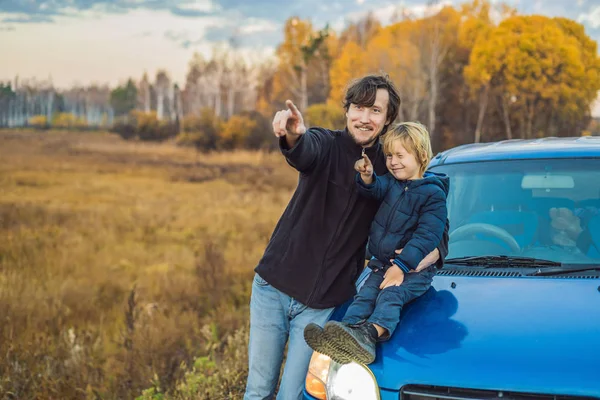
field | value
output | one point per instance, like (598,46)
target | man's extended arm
(301,149)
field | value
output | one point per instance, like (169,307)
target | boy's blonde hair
(414,137)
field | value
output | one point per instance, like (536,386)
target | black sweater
(317,250)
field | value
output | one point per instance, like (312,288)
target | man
(317,250)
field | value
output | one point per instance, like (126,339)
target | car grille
(413,392)
(478,272)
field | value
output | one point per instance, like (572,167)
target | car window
(540,208)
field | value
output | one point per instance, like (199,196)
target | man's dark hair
(363,92)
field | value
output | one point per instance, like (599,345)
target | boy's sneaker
(316,339)
(356,342)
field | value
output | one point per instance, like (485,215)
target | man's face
(366,123)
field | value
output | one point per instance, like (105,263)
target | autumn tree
(303,60)
(143,102)
(235,132)
(261,136)
(194,98)
(266,101)
(576,109)
(205,82)
(361,32)
(326,114)
(435,36)
(164,95)
(7,105)
(476,26)
(393,52)
(201,131)
(348,61)
(349,65)
(536,67)
(123,98)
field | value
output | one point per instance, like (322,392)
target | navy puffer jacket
(412,216)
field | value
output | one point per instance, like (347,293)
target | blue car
(515,312)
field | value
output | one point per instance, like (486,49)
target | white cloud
(338,24)
(593,18)
(258,25)
(383,14)
(421,10)
(201,6)
(386,13)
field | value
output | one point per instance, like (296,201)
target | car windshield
(547,209)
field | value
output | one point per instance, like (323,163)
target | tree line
(474,72)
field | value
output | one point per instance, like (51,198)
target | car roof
(550,147)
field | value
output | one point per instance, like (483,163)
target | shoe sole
(343,343)
(316,338)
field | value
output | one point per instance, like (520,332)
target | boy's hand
(394,276)
(364,167)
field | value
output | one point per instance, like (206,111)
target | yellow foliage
(145,120)
(403,51)
(590,81)
(149,127)
(530,57)
(68,120)
(297,33)
(38,121)
(476,24)
(393,51)
(332,45)
(201,130)
(537,66)
(235,131)
(326,115)
(351,64)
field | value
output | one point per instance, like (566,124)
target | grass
(122,261)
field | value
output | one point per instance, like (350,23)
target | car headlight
(316,378)
(329,380)
(351,382)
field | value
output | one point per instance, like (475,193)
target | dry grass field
(123,262)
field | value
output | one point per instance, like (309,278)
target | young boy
(412,216)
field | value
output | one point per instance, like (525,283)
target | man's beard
(367,142)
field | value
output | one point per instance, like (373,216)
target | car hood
(536,335)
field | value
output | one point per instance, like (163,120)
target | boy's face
(402,164)
(366,123)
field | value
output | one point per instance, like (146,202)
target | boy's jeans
(275,317)
(383,307)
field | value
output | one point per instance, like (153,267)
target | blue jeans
(383,307)
(274,318)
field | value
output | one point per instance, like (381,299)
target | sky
(81,42)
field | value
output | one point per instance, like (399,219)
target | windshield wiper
(503,261)
(562,271)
